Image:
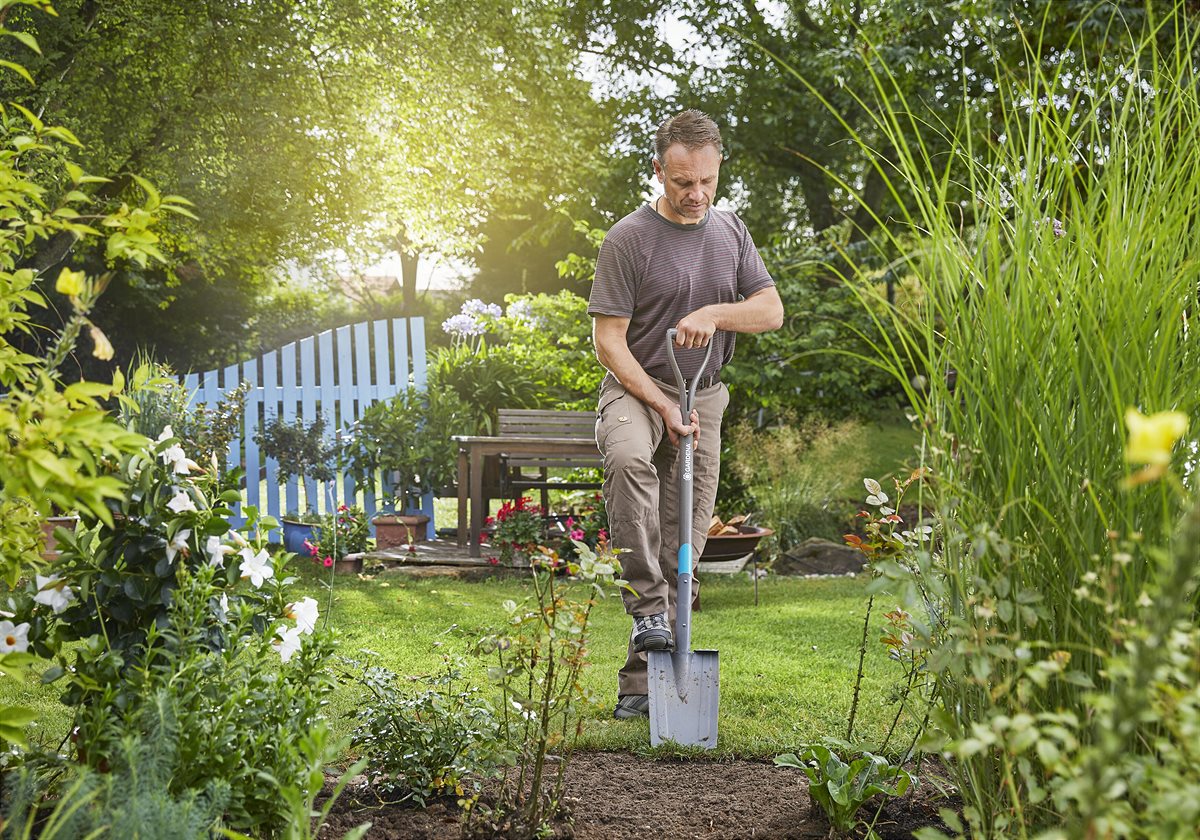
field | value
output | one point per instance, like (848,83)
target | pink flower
(312,549)
(570,521)
(328,562)
(495,561)
(577,534)
(603,534)
(343,507)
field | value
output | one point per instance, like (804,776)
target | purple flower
(462,325)
(477,308)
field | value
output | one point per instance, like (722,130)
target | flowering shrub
(175,610)
(587,524)
(474,320)
(341,533)
(519,529)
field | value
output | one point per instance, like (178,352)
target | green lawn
(787,665)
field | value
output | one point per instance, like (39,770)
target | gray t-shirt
(654,271)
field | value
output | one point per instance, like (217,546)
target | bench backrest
(549,424)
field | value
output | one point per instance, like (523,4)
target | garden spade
(684,684)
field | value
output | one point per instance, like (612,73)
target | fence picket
(334,375)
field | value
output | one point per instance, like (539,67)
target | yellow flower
(1152,438)
(103,347)
(70,283)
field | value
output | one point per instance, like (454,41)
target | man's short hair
(692,129)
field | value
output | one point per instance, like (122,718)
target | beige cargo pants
(641,496)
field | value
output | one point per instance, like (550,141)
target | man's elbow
(774,318)
(772,313)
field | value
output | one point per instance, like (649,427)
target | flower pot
(731,547)
(50,552)
(295,533)
(351,564)
(392,530)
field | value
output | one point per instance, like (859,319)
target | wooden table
(471,452)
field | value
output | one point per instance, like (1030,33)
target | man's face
(689,180)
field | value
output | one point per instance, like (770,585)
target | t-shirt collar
(700,224)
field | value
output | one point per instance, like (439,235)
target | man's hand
(675,428)
(695,329)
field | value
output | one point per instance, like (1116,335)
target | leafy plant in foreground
(841,789)
(428,739)
(540,657)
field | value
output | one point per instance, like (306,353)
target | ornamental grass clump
(1051,271)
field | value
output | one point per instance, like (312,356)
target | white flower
(217,551)
(257,567)
(166,435)
(181,502)
(14,638)
(288,642)
(304,613)
(180,543)
(179,462)
(224,602)
(238,539)
(54,593)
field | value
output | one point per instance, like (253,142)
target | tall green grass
(1030,346)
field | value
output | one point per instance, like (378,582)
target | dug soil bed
(613,796)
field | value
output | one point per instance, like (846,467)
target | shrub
(1056,296)
(540,656)
(430,738)
(161,621)
(796,476)
(408,439)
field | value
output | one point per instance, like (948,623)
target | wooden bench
(553,426)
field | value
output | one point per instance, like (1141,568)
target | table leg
(463,477)
(477,512)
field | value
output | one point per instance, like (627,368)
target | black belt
(706,382)
(709,381)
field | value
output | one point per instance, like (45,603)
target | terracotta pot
(351,564)
(50,552)
(399,529)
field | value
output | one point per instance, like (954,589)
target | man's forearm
(760,312)
(619,361)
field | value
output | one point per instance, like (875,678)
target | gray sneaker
(651,632)
(632,706)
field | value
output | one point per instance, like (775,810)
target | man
(675,263)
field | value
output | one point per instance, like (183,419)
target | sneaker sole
(652,641)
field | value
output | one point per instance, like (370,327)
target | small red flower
(328,562)
(495,561)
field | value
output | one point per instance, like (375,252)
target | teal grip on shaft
(685,559)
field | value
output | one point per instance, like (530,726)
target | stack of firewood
(717,528)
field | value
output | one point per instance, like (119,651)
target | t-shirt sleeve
(752,272)
(613,288)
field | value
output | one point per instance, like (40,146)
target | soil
(612,796)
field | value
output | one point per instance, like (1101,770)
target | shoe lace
(657,621)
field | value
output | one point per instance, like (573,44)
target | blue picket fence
(334,375)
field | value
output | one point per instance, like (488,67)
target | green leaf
(18,69)
(25,38)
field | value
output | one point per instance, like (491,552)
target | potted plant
(301,451)
(407,440)
(519,528)
(341,540)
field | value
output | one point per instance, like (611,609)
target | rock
(815,556)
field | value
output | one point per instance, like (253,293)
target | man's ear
(658,170)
